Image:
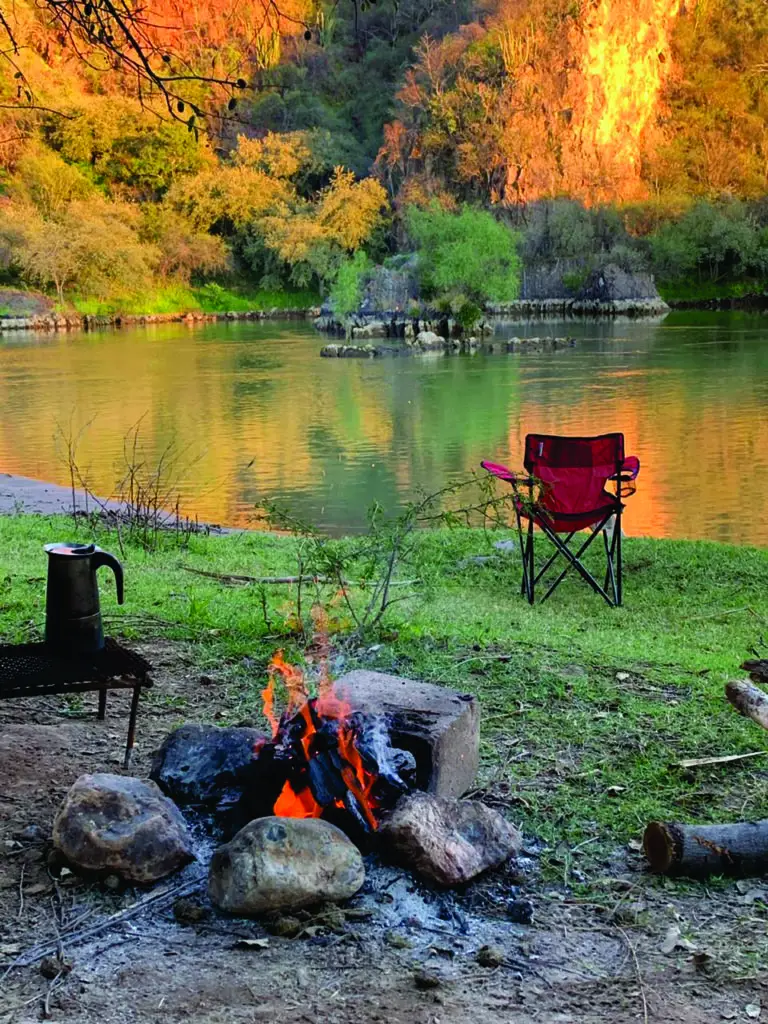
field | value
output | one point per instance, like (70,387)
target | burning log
(749,700)
(324,759)
(738,849)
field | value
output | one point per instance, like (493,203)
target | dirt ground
(401,954)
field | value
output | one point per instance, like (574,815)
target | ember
(327,759)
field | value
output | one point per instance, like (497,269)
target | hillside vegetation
(603,131)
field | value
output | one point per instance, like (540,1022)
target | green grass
(178,298)
(577,697)
(215,299)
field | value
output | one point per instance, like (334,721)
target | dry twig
(638,973)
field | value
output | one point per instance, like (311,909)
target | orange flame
(294,684)
(329,704)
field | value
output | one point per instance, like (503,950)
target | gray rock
(282,864)
(123,826)
(205,765)
(507,547)
(448,842)
(428,339)
(372,329)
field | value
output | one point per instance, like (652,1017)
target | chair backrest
(574,471)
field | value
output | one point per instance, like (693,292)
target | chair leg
(553,557)
(531,564)
(573,562)
(610,575)
(523,557)
(619,564)
(132,725)
(102,704)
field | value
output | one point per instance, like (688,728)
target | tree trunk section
(738,849)
(749,700)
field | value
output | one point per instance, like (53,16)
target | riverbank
(88,322)
(587,713)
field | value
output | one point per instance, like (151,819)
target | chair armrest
(503,473)
(630,467)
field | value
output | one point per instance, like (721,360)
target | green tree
(347,291)
(47,183)
(126,147)
(468,253)
(710,242)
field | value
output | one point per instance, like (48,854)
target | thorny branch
(373,558)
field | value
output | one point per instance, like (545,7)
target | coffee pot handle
(100,558)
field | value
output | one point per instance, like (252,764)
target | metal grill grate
(30,669)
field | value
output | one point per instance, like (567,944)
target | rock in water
(204,764)
(448,841)
(123,826)
(282,864)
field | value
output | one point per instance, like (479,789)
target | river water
(251,410)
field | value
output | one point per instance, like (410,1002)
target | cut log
(749,700)
(738,849)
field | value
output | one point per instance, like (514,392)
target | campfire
(325,759)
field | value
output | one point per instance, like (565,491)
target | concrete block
(439,726)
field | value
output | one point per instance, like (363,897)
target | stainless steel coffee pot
(72,612)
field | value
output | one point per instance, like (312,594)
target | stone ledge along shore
(86,322)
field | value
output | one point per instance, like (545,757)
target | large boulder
(204,765)
(123,826)
(448,842)
(282,864)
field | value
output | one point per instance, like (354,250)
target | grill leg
(132,725)
(102,704)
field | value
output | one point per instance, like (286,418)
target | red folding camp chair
(573,484)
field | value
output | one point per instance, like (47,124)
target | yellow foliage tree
(90,246)
(316,237)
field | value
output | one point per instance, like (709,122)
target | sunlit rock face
(574,105)
(625,64)
(601,104)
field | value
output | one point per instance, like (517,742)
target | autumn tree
(90,247)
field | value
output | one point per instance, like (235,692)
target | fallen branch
(638,973)
(226,577)
(155,899)
(749,700)
(740,848)
(698,762)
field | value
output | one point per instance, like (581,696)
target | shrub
(90,247)
(466,253)
(710,242)
(347,292)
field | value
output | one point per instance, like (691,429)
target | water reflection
(255,411)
